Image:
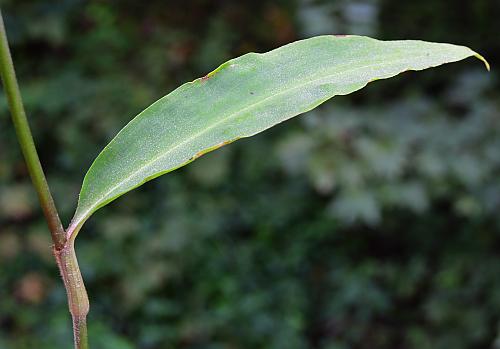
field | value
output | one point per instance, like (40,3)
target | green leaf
(241,98)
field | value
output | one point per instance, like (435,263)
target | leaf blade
(243,97)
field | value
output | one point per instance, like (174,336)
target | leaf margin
(76,224)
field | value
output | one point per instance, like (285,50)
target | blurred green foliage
(370,223)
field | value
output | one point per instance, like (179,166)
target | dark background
(371,222)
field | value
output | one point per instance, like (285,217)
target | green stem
(64,251)
(80,332)
(26,140)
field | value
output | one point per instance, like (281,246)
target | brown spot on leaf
(203,152)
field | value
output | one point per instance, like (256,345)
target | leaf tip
(478,56)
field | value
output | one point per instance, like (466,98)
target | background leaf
(243,97)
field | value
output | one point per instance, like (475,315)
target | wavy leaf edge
(78,221)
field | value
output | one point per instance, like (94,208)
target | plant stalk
(64,251)
(78,300)
(25,139)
